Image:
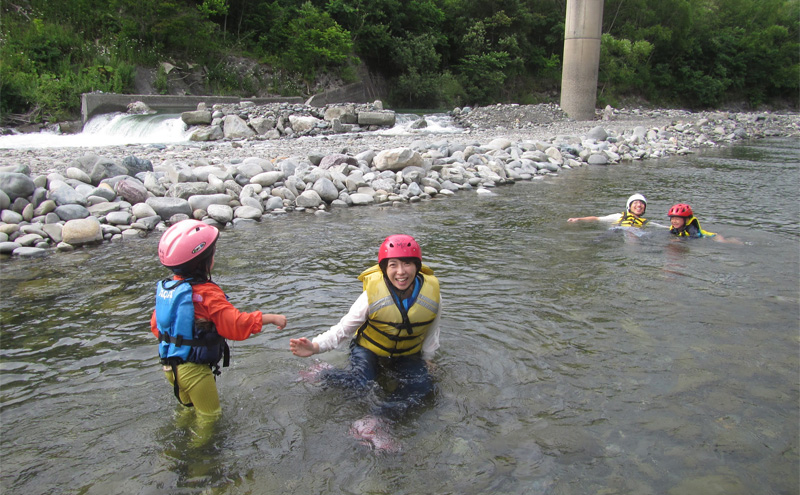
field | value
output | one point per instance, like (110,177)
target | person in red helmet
(393,327)
(683,223)
(193,317)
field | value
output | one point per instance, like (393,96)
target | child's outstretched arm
(582,219)
(277,320)
(303,347)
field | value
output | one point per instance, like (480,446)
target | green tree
(623,68)
(316,42)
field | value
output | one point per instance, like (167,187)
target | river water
(574,359)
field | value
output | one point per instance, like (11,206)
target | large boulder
(262,125)
(335,160)
(105,168)
(301,123)
(196,117)
(248,212)
(207,133)
(346,114)
(309,199)
(188,189)
(71,212)
(203,201)
(136,165)
(221,213)
(233,127)
(5,201)
(78,174)
(361,199)
(326,190)
(266,179)
(82,231)
(67,196)
(132,190)
(167,207)
(397,159)
(16,185)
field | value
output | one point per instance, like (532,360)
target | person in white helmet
(631,217)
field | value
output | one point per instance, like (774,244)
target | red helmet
(680,210)
(185,241)
(399,246)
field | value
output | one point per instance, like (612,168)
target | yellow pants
(196,384)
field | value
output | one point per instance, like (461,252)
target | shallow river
(574,359)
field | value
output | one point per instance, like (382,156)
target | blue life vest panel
(181,339)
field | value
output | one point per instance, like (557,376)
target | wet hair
(197,270)
(385,262)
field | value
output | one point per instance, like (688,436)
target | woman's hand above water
(303,347)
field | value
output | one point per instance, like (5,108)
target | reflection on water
(574,359)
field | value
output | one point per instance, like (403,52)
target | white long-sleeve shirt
(350,323)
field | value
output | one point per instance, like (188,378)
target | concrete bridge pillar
(584,23)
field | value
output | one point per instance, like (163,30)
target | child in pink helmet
(393,326)
(193,317)
(683,223)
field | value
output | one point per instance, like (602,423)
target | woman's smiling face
(401,273)
(638,207)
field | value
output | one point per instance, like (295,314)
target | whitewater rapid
(118,129)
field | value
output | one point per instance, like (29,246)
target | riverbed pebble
(68,198)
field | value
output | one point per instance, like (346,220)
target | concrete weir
(98,103)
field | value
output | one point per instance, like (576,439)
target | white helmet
(635,197)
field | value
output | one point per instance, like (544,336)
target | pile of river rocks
(97,199)
(247,120)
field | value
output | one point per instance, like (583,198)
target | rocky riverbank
(58,199)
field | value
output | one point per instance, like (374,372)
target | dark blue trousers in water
(410,373)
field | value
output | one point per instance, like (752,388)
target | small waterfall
(153,128)
(166,128)
(108,130)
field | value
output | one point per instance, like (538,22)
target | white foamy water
(436,124)
(108,130)
(122,129)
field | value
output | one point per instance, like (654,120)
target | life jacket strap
(175,386)
(360,334)
(178,341)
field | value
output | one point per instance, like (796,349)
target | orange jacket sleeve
(211,304)
(153,324)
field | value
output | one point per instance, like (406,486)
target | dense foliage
(432,53)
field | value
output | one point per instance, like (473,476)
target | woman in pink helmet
(392,327)
(193,317)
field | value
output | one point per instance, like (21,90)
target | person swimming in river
(631,217)
(193,317)
(393,328)
(683,223)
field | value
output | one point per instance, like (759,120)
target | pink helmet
(680,210)
(185,241)
(399,246)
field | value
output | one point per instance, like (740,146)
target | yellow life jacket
(630,220)
(390,330)
(691,229)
